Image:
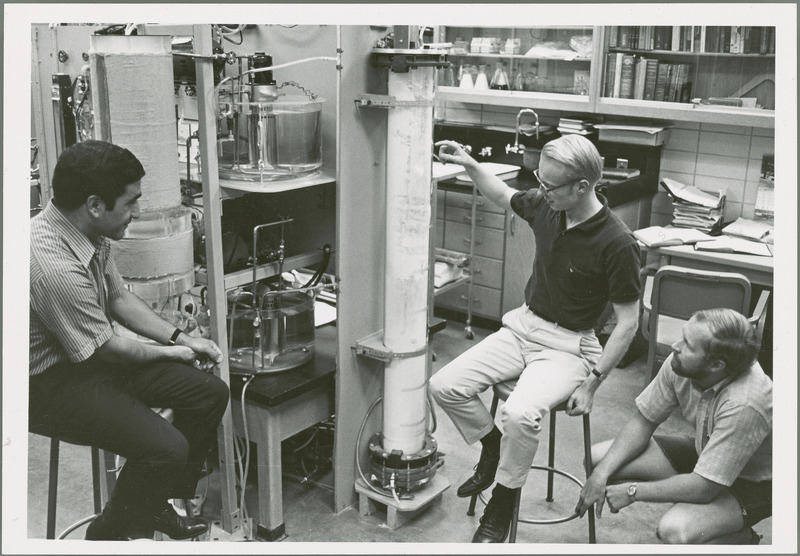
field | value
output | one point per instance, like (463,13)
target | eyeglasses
(548,188)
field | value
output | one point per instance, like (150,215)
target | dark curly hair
(94,168)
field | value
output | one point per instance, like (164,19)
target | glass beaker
(500,78)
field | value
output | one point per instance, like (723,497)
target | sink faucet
(516,148)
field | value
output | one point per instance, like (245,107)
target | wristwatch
(632,491)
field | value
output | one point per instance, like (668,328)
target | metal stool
(501,392)
(97,489)
(103,481)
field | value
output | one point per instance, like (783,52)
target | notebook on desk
(659,236)
(727,244)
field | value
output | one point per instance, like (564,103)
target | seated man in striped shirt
(91,386)
(719,480)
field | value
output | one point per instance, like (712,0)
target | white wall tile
(506,119)
(686,125)
(463,116)
(732,211)
(678,161)
(682,140)
(662,203)
(753,170)
(750,193)
(726,144)
(748,211)
(721,166)
(759,146)
(734,189)
(724,128)
(764,132)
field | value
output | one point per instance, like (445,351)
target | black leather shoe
(495,523)
(176,526)
(101,530)
(484,474)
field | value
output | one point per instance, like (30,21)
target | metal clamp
(386,101)
(373,347)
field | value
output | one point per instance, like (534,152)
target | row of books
(637,77)
(733,39)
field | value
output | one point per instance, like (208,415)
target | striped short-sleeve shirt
(72,280)
(732,421)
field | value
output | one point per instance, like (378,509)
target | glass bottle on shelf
(481,81)
(500,78)
(531,79)
(518,81)
(447,77)
(465,78)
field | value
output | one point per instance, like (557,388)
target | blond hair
(578,154)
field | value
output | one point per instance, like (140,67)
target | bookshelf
(718,74)
(711,74)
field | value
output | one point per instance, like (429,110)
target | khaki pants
(549,363)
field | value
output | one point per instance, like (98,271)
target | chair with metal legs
(501,392)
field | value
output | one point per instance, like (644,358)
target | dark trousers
(110,407)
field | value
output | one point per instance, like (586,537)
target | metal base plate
(241,361)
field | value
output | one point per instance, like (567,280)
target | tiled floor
(308,509)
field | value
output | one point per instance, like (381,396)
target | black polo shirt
(577,271)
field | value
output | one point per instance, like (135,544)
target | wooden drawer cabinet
(487,272)
(498,279)
(457,199)
(484,219)
(486,302)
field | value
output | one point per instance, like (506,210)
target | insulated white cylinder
(408,220)
(132,86)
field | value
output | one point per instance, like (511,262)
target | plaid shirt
(733,421)
(72,281)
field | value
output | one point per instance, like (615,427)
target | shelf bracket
(386,101)
(372,346)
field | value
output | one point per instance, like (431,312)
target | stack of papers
(576,125)
(749,229)
(694,208)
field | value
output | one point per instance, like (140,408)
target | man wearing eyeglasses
(585,258)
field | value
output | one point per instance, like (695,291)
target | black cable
(326,259)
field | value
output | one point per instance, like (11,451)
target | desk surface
(755,262)
(272,389)
(759,270)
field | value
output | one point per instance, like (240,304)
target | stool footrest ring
(553,521)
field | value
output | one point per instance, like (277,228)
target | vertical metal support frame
(212,207)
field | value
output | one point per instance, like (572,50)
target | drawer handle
(476,271)
(474,299)
(477,241)
(477,203)
(477,218)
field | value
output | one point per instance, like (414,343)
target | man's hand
(205,353)
(593,492)
(452,152)
(617,497)
(580,401)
